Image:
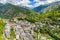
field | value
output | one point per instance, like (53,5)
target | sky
(29,3)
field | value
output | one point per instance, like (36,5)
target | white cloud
(3,1)
(27,2)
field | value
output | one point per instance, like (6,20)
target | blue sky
(28,3)
(32,2)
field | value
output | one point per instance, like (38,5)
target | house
(5,20)
(7,30)
(43,38)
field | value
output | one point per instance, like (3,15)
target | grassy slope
(1,28)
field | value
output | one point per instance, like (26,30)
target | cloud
(18,2)
(3,1)
(28,3)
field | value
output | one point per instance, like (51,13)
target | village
(23,29)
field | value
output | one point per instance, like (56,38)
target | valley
(18,23)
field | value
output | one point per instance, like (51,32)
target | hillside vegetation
(50,18)
(10,11)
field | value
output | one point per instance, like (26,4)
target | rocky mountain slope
(10,11)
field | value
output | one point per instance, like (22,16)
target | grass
(1,28)
(12,36)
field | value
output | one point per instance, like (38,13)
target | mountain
(51,17)
(1,4)
(47,7)
(39,8)
(54,6)
(48,22)
(10,11)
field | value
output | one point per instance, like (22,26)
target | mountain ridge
(10,11)
(54,6)
(42,8)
